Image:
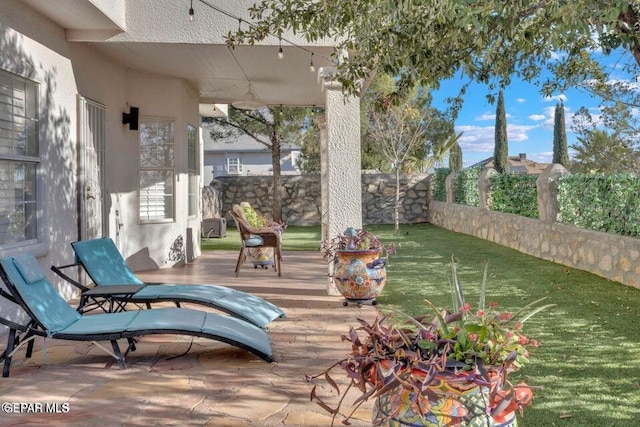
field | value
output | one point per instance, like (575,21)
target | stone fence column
(484,187)
(429,182)
(450,185)
(547,185)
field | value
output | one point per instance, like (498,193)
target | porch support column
(342,182)
(324,183)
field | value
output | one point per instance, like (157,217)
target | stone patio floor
(214,384)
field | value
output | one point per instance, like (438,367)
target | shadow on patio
(214,383)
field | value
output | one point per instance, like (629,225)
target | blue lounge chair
(105,266)
(51,316)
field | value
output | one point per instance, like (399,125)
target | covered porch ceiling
(157,37)
(220,73)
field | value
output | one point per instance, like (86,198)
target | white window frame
(193,171)
(237,168)
(169,169)
(13,110)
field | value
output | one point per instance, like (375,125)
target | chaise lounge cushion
(29,268)
(41,298)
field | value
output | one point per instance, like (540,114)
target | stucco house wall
(36,48)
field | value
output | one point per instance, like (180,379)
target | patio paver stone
(213,384)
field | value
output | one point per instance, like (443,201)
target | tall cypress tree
(560,150)
(455,157)
(501,149)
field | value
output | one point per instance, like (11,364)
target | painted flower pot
(359,275)
(261,257)
(450,402)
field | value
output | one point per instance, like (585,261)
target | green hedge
(609,203)
(467,186)
(439,188)
(515,193)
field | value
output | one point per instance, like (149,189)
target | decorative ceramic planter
(359,275)
(261,257)
(452,403)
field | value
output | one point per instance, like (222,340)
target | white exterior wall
(36,48)
(151,246)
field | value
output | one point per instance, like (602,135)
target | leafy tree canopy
(602,151)
(270,126)
(606,142)
(287,122)
(390,122)
(488,41)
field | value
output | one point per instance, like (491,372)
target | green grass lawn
(589,356)
(296,238)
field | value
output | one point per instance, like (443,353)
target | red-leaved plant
(481,346)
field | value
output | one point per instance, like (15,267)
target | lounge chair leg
(29,347)
(132,345)
(7,353)
(118,353)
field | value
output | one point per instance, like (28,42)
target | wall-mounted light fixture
(131,118)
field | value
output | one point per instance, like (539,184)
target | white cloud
(543,157)
(623,83)
(521,100)
(481,139)
(518,133)
(537,117)
(562,97)
(487,116)
(549,118)
(555,56)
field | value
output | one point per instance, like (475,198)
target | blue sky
(530,117)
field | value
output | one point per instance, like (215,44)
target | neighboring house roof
(243,143)
(517,164)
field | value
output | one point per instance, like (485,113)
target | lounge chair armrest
(14,325)
(8,296)
(58,271)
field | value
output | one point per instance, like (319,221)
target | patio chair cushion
(29,268)
(254,241)
(98,324)
(108,266)
(105,265)
(40,297)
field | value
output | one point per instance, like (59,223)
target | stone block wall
(379,196)
(301,197)
(607,255)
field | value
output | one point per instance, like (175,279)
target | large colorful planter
(359,275)
(451,403)
(261,257)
